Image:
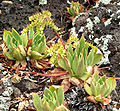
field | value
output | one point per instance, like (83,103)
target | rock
(0,12)
(5,95)
(16,92)
(7,2)
(1,88)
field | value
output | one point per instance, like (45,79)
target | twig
(48,75)
(60,39)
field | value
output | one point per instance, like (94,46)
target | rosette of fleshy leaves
(53,100)
(100,88)
(38,45)
(14,45)
(79,61)
(75,9)
(18,47)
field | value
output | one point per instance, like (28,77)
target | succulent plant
(75,9)
(79,61)
(14,49)
(31,44)
(37,46)
(53,100)
(100,88)
(18,47)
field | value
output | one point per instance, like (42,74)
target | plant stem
(47,63)
(60,39)
(48,75)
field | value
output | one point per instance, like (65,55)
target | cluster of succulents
(78,58)
(32,42)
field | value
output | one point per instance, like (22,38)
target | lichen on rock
(5,95)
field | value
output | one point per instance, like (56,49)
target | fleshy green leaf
(97,58)
(7,37)
(85,76)
(9,56)
(75,64)
(99,98)
(82,44)
(17,55)
(16,36)
(46,107)
(24,38)
(31,33)
(87,89)
(37,101)
(95,77)
(70,58)
(104,89)
(22,50)
(70,50)
(64,63)
(41,47)
(37,39)
(81,67)
(52,105)
(93,89)
(60,95)
(48,94)
(39,43)
(111,82)
(97,89)
(90,58)
(36,55)
(52,89)
(85,52)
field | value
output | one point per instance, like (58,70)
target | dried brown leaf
(66,84)
(16,79)
(76,82)
(91,98)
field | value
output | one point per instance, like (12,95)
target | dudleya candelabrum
(14,46)
(29,43)
(100,88)
(79,62)
(75,9)
(53,100)
(18,47)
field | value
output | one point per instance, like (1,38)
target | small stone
(7,2)
(107,22)
(0,12)
(42,2)
(1,66)
(96,20)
